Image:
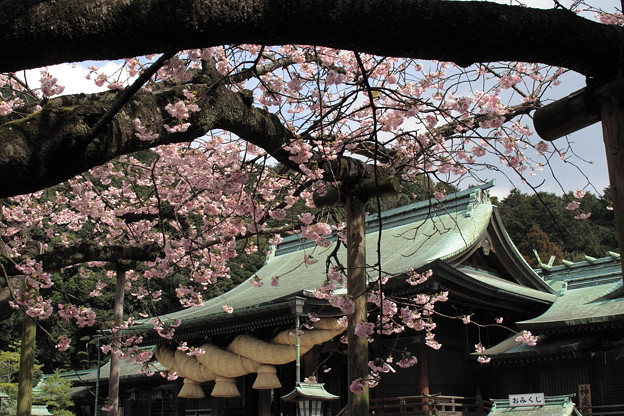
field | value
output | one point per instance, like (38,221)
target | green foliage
(9,372)
(56,394)
(9,365)
(525,216)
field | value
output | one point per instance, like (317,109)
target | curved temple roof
(414,236)
(590,293)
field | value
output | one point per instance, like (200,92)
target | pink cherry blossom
(573,205)
(49,86)
(364,329)
(63,343)
(579,194)
(526,337)
(407,361)
(357,386)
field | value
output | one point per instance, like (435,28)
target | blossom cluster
(575,205)
(196,201)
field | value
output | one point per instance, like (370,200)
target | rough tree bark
(37,33)
(55,144)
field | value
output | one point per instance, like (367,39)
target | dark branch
(34,34)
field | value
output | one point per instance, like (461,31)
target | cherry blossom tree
(240,133)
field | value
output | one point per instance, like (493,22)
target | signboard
(584,395)
(527,399)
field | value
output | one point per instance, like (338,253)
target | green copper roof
(305,391)
(412,237)
(127,369)
(590,293)
(559,345)
(438,234)
(505,285)
(554,406)
(581,306)
(591,271)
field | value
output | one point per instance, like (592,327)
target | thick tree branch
(54,144)
(86,252)
(38,33)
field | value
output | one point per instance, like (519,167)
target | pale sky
(587,143)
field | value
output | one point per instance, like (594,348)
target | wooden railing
(606,410)
(429,405)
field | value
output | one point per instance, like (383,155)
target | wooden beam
(576,111)
(363,190)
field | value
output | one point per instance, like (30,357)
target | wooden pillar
(311,361)
(601,101)
(250,396)
(423,375)
(612,116)
(423,369)
(113,381)
(180,403)
(264,402)
(357,355)
(218,403)
(27,364)
(356,194)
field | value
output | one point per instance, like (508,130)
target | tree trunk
(27,364)
(39,33)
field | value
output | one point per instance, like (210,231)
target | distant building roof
(589,301)
(589,293)
(40,410)
(554,406)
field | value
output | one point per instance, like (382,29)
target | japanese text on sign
(528,399)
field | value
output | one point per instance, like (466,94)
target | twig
(125,95)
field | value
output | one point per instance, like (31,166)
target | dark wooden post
(357,356)
(423,375)
(113,381)
(604,102)
(612,115)
(217,406)
(423,369)
(264,402)
(354,198)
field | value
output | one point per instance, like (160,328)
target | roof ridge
(466,199)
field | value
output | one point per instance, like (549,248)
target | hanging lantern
(309,398)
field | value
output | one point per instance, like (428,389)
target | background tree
(536,239)
(9,370)
(55,393)
(558,225)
